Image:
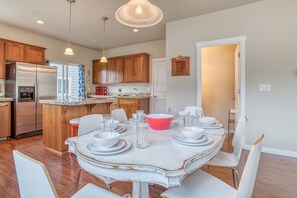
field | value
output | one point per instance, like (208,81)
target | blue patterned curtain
(81,81)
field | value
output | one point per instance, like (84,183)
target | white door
(159,85)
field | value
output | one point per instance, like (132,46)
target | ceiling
(87,26)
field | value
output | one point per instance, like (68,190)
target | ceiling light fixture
(139,13)
(40,22)
(103,59)
(68,50)
(135,30)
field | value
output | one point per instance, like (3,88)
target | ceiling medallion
(139,14)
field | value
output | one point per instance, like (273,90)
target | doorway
(159,71)
(212,81)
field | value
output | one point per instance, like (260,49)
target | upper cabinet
(2,60)
(34,54)
(14,51)
(128,69)
(136,68)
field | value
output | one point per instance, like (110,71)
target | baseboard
(275,151)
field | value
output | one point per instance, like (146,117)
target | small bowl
(207,120)
(192,132)
(159,121)
(107,139)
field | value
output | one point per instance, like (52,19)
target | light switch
(264,87)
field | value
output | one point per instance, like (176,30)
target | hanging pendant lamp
(139,13)
(103,59)
(68,50)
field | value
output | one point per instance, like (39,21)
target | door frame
(241,69)
(152,80)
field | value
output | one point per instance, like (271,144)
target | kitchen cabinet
(136,68)
(5,119)
(20,52)
(14,51)
(99,72)
(2,61)
(34,54)
(131,105)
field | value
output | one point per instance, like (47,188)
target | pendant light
(103,59)
(139,13)
(68,50)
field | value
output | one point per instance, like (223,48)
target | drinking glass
(108,124)
(172,111)
(140,115)
(142,133)
(188,120)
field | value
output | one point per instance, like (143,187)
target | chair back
(33,178)
(89,123)
(239,137)
(193,109)
(247,182)
(119,114)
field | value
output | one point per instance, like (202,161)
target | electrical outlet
(264,87)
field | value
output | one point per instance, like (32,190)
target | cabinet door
(129,69)
(138,68)
(5,119)
(120,70)
(34,55)
(111,71)
(2,62)
(14,51)
(95,71)
(99,72)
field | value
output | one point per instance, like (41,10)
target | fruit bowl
(159,121)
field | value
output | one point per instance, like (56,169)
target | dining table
(165,162)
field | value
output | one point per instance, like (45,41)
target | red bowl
(159,121)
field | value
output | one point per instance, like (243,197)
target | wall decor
(181,66)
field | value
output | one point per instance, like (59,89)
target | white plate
(181,138)
(211,126)
(124,148)
(119,129)
(215,123)
(95,147)
(208,141)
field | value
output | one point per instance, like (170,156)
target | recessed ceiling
(87,26)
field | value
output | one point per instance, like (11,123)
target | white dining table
(164,162)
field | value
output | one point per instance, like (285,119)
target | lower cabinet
(5,119)
(131,105)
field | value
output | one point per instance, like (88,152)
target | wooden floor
(277,176)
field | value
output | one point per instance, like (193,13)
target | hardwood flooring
(277,176)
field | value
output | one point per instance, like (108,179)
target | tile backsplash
(1,86)
(127,87)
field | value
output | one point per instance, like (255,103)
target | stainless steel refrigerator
(27,84)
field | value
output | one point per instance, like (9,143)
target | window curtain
(81,81)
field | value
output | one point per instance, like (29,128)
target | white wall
(218,81)
(271,47)
(55,48)
(156,49)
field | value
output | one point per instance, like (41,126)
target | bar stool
(73,123)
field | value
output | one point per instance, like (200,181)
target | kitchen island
(57,114)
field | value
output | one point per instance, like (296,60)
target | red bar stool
(73,123)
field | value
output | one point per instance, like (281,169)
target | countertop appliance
(27,84)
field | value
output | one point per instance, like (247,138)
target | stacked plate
(119,129)
(215,125)
(202,141)
(119,147)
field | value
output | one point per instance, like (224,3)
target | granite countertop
(75,103)
(6,99)
(136,96)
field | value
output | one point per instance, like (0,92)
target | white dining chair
(86,124)
(204,185)
(35,182)
(89,123)
(231,160)
(120,115)
(193,110)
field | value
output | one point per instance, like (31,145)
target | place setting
(137,117)
(209,123)
(109,124)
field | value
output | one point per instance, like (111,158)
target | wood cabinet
(20,52)
(5,119)
(14,51)
(131,105)
(136,68)
(2,61)
(129,69)
(34,54)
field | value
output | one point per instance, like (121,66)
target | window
(67,81)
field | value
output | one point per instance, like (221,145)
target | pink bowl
(159,121)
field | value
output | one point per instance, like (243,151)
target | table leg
(140,190)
